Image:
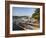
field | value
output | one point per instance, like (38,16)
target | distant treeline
(16,17)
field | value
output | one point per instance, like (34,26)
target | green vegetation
(36,15)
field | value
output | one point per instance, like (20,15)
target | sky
(22,11)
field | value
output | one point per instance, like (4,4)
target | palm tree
(36,15)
